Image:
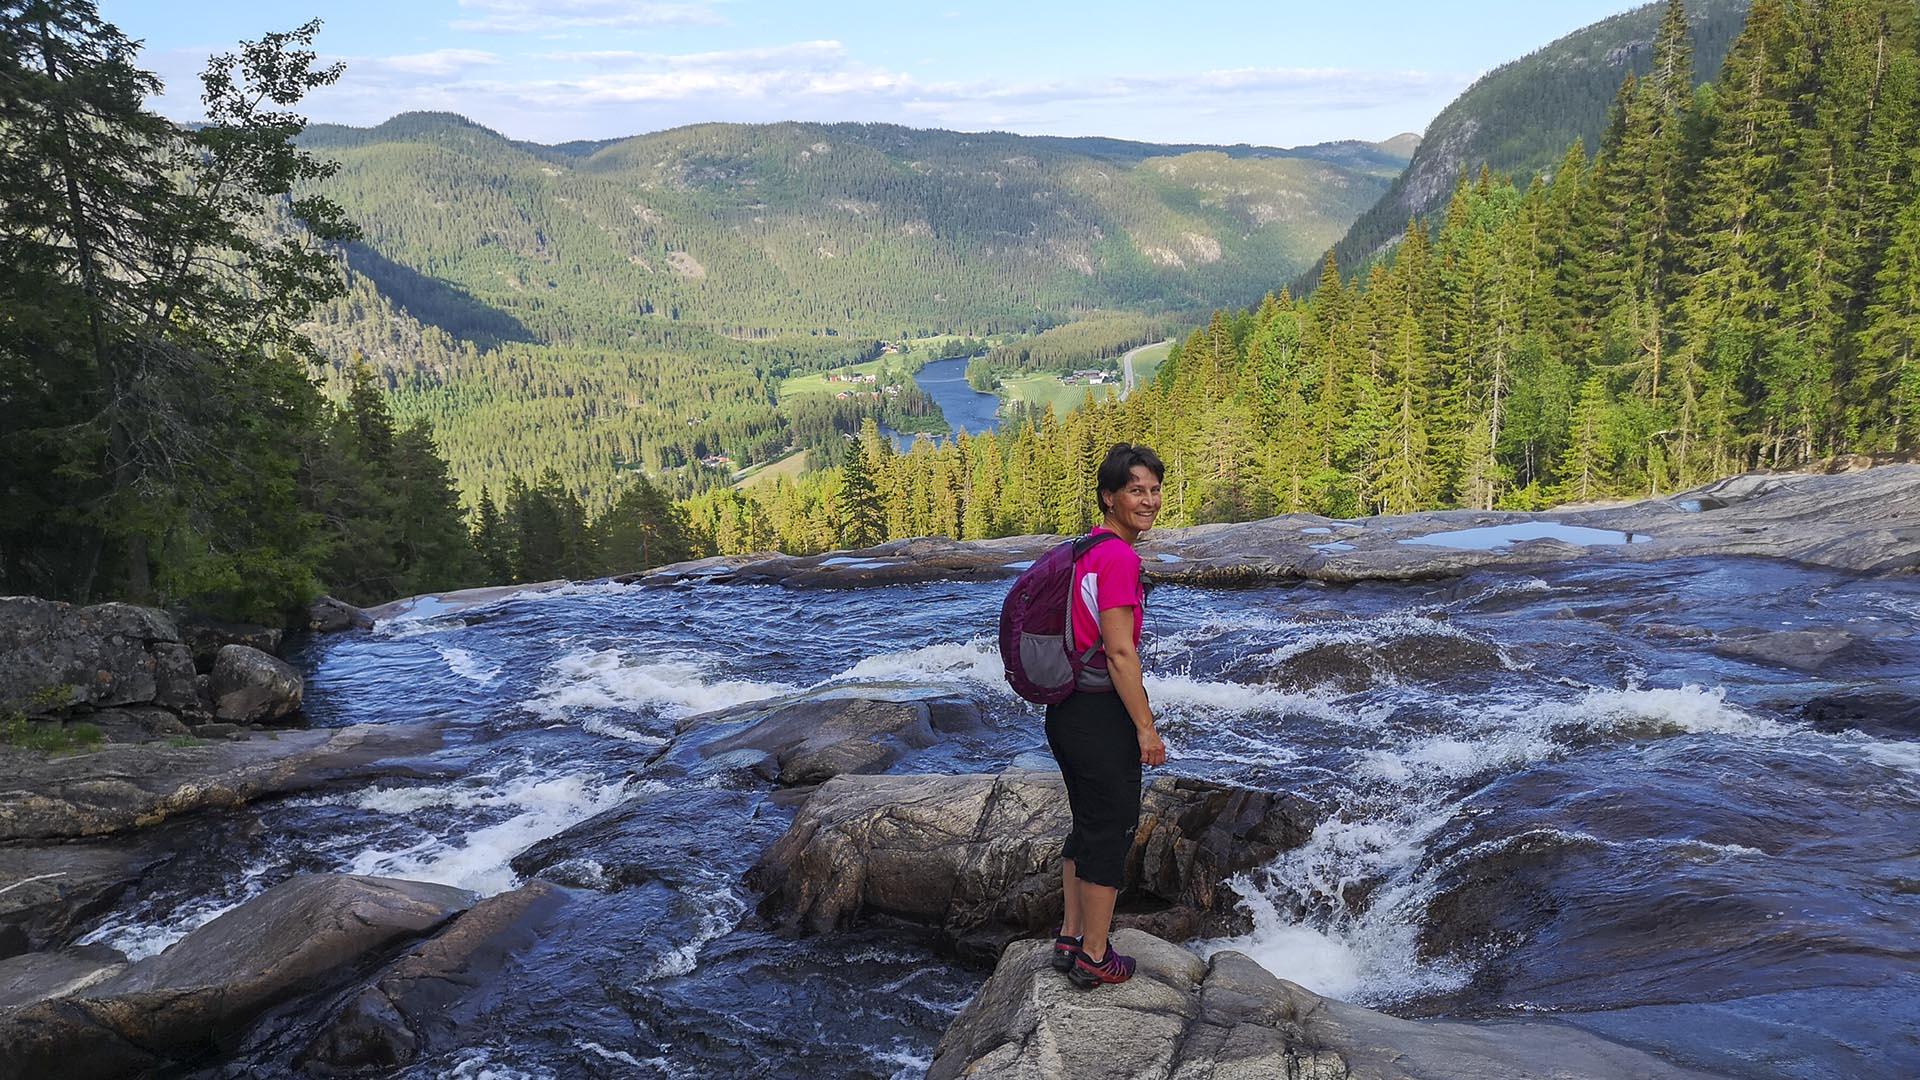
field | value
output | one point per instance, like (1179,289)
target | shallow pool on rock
(1490,537)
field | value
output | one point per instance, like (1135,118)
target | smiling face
(1131,510)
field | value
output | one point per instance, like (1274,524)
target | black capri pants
(1093,739)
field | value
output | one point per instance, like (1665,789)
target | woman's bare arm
(1123,665)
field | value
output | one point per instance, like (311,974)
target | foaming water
(612,679)
(477,860)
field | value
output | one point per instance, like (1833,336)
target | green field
(790,467)
(1148,360)
(816,382)
(1043,389)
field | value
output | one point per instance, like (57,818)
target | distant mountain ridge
(1519,118)
(837,229)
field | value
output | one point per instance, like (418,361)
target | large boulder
(413,1004)
(302,935)
(55,657)
(249,686)
(116,788)
(811,737)
(979,855)
(1184,1018)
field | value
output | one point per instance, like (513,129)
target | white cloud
(813,55)
(440,62)
(535,16)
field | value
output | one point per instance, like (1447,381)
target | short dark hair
(1117,469)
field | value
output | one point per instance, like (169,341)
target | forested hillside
(1732,282)
(850,229)
(1517,118)
(598,308)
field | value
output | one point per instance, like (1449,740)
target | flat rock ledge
(120,787)
(1184,1018)
(78,1017)
(978,855)
(1863,522)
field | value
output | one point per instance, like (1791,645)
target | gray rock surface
(55,657)
(1183,1018)
(118,787)
(1865,522)
(249,685)
(302,935)
(413,1004)
(32,977)
(811,737)
(978,855)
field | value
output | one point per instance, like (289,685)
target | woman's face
(1138,503)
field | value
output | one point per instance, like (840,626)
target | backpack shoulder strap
(1084,544)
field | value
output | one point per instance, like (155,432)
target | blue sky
(551,70)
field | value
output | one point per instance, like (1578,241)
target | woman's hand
(1152,750)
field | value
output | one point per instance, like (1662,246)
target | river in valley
(965,408)
(1552,792)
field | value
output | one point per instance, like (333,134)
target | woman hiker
(1103,732)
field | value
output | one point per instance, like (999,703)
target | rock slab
(978,856)
(1227,1018)
(202,993)
(413,1003)
(123,787)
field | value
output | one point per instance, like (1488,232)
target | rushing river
(1553,795)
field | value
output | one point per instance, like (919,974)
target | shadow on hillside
(435,302)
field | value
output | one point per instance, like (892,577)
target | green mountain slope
(847,229)
(1518,118)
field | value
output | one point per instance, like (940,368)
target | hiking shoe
(1114,969)
(1064,950)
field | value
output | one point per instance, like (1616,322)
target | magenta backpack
(1036,625)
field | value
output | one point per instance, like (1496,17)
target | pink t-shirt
(1107,577)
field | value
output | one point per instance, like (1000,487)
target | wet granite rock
(1225,1018)
(811,737)
(329,616)
(414,1004)
(1884,714)
(248,685)
(298,937)
(115,788)
(48,893)
(1801,650)
(32,977)
(1422,654)
(978,856)
(654,836)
